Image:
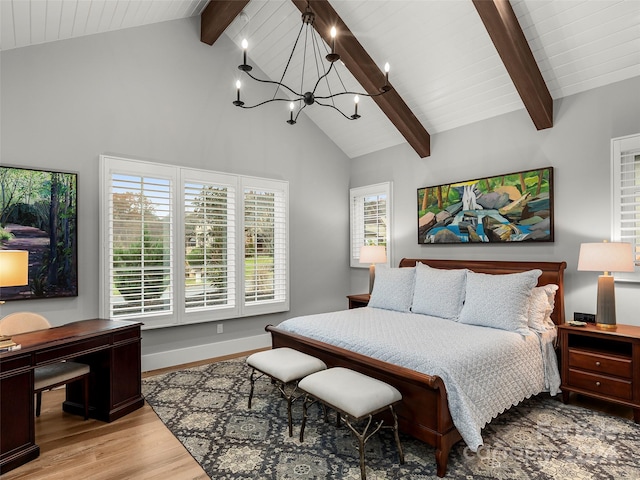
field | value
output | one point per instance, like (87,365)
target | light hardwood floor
(137,446)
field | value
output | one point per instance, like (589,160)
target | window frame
(179,176)
(357,228)
(621,147)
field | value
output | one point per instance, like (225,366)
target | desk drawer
(601,363)
(130,334)
(73,350)
(601,384)
(15,363)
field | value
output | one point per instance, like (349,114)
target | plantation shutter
(265,245)
(140,245)
(209,243)
(626,196)
(370,210)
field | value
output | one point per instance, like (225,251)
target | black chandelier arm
(320,79)
(266,101)
(273,82)
(352,93)
(335,108)
(304,105)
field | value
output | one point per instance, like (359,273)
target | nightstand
(603,364)
(359,300)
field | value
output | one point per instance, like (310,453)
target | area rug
(206,409)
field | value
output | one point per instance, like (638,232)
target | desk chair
(46,377)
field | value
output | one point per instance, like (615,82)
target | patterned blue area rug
(206,409)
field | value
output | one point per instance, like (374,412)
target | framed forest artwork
(39,214)
(512,208)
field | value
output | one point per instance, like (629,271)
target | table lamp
(373,254)
(606,257)
(14,268)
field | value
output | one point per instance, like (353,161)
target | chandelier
(299,99)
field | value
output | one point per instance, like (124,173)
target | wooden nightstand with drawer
(603,364)
(358,300)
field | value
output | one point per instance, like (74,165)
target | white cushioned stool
(354,395)
(286,367)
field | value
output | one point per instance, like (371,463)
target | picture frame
(503,209)
(38,213)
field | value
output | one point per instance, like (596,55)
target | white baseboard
(170,358)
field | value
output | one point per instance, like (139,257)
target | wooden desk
(110,348)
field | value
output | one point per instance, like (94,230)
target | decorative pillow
(393,288)
(438,292)
(499,301)
(541,305)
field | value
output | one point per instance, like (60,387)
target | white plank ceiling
(443,62)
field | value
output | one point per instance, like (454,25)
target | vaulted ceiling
(451,60)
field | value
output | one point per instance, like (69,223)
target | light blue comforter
(485,370)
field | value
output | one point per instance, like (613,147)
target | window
(370,213)
(625,165)
(265,249)
(181,243)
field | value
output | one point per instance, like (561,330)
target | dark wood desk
(110,348)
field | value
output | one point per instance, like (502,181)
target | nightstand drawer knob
(597,384)
(597,364)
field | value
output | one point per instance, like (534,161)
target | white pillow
(499,301)
(393,288)
(438,292)
(541,305)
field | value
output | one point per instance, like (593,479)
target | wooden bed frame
(423,412)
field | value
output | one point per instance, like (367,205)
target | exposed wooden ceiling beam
(368,74)
(502,25)
(217,17)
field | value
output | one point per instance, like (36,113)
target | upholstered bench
(285,367)
(356,397)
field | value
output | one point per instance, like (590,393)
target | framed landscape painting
(38,214)
(512,208)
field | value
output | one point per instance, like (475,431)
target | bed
(424,412)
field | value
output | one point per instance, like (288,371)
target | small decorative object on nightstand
(603,364)
(359,300)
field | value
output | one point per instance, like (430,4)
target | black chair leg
(38,403)
(86,397)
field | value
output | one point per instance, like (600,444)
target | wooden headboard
(552,272)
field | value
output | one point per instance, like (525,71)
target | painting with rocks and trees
(38,213)
(512,208)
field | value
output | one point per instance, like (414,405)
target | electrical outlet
(219,328)
(584,317)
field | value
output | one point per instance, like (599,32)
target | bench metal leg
(252,380)
(397,434)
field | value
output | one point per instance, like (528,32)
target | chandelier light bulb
(245,45)
(291,121)
(238,102)
(355,115)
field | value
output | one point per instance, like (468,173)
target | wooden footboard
(423,412)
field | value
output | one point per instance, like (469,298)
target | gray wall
(158,93)
(578,147)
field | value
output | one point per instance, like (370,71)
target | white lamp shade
(373,254)
(606,257)
(14,268)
